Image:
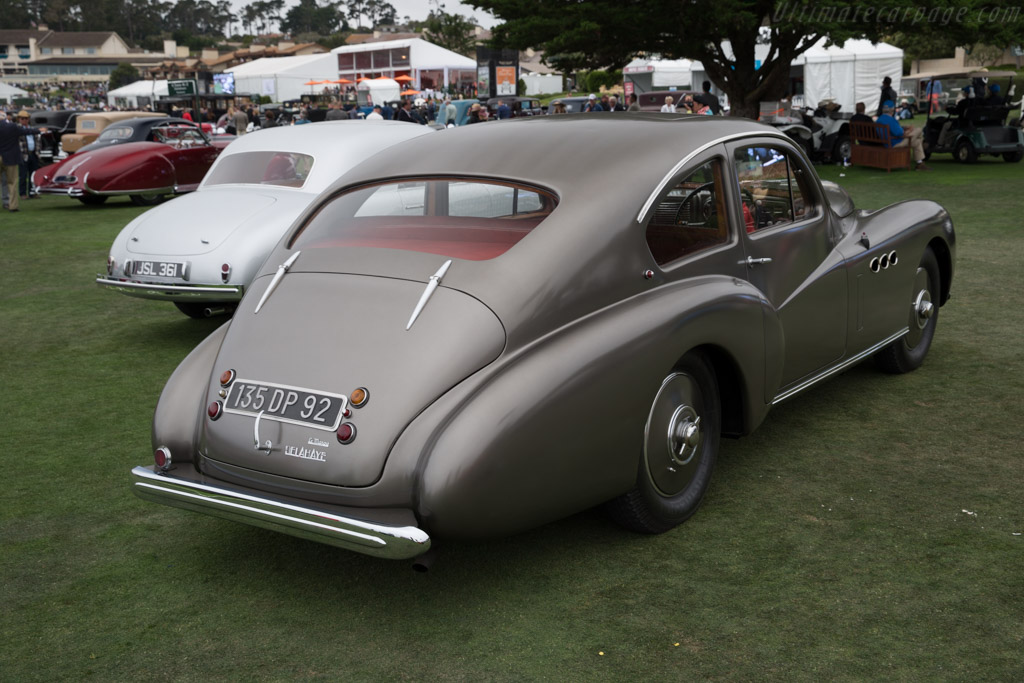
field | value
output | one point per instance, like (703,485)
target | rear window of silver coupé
(465,218)
(288,169)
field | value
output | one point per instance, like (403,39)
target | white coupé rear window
(289,169)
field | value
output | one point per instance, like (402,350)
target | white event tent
(847,73)
(283,78)
(128,95)
(9,92)
(428,65)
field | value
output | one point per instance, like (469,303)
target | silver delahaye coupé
(202,250)
(452,344)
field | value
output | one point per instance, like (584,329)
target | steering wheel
(707,207)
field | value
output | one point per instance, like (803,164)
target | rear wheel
(842,148)
(92,199)
(146,199)
(965,152)
(680,447)
(1013,157)
(908,352)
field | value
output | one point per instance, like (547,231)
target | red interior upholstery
(472,239)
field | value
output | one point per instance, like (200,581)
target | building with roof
(45,55)
(428,65)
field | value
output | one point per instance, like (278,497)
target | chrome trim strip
(159,291)
(281,270)
(263,510)
(853,360)
(155,190)
(435,280)
(703,148)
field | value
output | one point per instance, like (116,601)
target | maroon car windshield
(457,217)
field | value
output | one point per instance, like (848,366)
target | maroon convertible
(173,159)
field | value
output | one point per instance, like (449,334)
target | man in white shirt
(375,115)
(669,107)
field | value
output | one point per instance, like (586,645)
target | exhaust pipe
(215,310)
(423,563)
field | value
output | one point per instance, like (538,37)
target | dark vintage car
(449,344)
(165,130)
(172,158)
(518,106)
(655,99)
(56,123)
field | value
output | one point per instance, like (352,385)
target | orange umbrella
(341,80)
(403,78)
(361,79)
(315,82)
(410,92)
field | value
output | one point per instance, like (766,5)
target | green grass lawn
(868,530)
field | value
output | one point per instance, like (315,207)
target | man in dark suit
(10,157)
(29,157)
(706,98)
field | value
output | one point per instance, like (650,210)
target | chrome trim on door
(853,360)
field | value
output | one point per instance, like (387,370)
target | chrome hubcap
(674,437)
(921,308)
(683,435)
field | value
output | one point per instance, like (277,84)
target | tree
(310,17)
(123,74)
(451,31)
(608,33)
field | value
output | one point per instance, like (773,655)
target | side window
(769,188)
(692,217)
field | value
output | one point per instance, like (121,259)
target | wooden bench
(871,147)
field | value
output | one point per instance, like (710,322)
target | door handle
(751,261)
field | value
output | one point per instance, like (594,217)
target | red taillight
(225,272)
(162,458)
(111,264)
(215,410)
(347,433)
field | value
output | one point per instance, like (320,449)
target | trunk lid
(162,231)
(331,333)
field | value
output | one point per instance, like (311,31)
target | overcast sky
(416,9)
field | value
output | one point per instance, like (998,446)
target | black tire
(92,199)
(146,199)
(680,447)
(192,310)
(1013,157)
(842,149)
(908,352)
(965,152)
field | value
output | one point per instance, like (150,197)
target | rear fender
(179,410)
(152,172)
(558,426)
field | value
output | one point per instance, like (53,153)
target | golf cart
(976,123)
(823,132)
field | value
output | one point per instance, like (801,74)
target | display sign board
(505,80)
(181,88)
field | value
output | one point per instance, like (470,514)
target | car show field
(871,528)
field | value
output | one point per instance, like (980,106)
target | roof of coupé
(625,155)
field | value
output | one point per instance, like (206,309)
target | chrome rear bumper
(256,508)
(184,293)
